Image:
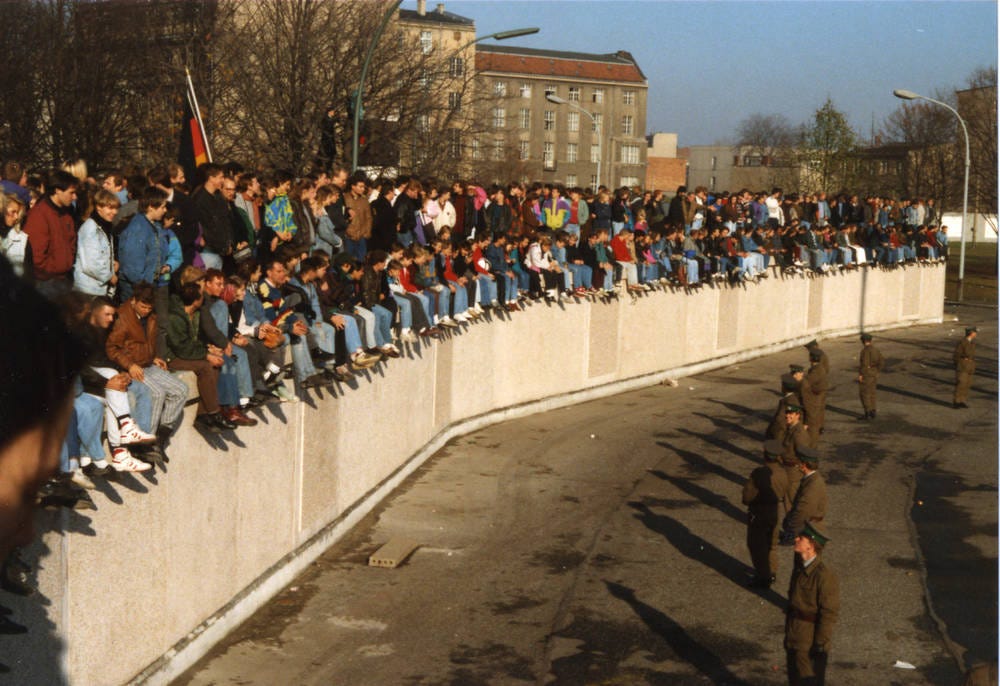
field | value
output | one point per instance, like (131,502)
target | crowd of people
(221,276)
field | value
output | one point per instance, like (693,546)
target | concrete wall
(171,562)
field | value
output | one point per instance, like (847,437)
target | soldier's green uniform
(965,366)
(809,504)
(795,439)
(790,394)
(764,495)
(823,359)
(869,366)
(813,610)
(814,389)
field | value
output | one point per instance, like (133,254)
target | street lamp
(910,95)
(556,100)
(500,35)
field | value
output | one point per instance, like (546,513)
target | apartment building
(597,137)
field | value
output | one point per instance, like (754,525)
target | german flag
(193,147)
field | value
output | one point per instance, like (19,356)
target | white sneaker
(408,337)
(122,461)
(131,434)
(82,480)
(448,322)
(284,395)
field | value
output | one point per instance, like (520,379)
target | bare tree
(977,104)
(768,136)
(926,133)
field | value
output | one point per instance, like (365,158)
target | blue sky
(710,64)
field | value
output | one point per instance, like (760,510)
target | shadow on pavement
(698,549)
(685,647)
(696,461)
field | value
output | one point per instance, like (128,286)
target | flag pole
(197,113)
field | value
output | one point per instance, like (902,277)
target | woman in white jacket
(95,271)
(446,211)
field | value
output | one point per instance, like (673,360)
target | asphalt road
(604,543)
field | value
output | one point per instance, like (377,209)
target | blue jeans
(405,313)
(583,276)
(487,289)
(405,239)
(440,300)
(302,363)
(461,297)
(692,270)
(573,229)
(616,227)
(83,435)
(356,249)
(383,325)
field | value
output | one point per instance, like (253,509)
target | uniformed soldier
(809,503)
(823,359)
(813,609)
(814,389)
(795,439)
(764,495)
(965,367)
(870,364)
(790,394)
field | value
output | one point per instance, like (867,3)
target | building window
(598,97)
(500,89)
(595,153)
(423,123)
(571,180)
(571,152)
(477,154)
(424,79)
(499,118)
(574,94)
(711,184)
(551,90)
(548,155)
(573,121)
(455,101)
(593,181)
(455,143)
(630,154)
(456,67)
(549,123)
(715,161)
(525,90)
(628,97)
(498,149)
(426,42)
(524,118)
(628,127)
(752,160)
(523,148)
(597,125)
(629,181)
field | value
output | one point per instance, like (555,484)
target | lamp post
(500,35)
(555,99)
(910,95)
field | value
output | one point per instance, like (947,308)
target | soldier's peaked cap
(793,408)
(807,454)
(971,329)
(866,336)
(815,531)
(796,368)
(812,344)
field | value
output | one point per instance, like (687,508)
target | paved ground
(604,544)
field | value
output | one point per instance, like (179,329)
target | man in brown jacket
(764,495)
(814,389)
(809,504)
(359,212)
(813,609)
(131,346)
(795,440)
(869,366)
(965,367)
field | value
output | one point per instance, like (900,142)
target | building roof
(619,66)
(438,16)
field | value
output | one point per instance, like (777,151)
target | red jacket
(52,235)
(406,280)
(620,250)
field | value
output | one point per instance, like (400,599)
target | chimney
(440,8)
(421,7)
